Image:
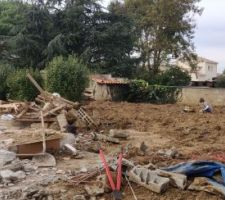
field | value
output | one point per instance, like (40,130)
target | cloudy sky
(210,32)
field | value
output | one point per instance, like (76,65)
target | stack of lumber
(54,109)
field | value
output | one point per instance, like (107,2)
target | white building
(206,69)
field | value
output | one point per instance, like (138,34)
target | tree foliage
(174,76)
(166,30)
(67,76)
(20,87)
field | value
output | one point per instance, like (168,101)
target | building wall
(191,95)
(206,70)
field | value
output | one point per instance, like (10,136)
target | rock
(177,180)
(95,189)
(170,153)
(15,165)
(10,176)
(46,160)
(6,157)
(118,133)
(207,185)
(79,197)
(83,169)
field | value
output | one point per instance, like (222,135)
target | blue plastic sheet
(198,169)
(202,169)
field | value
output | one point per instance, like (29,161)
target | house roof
(201,59)
(108,80)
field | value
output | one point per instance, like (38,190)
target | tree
(166,30)
(67,76)
(174,76)
(11,22)
(103,39)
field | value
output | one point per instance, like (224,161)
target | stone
(46,160)
(204,184)
(118,133)
(95,189)
(79,197)
(170,153)
(10,176)
(177,180)
(83,169)
(6,157)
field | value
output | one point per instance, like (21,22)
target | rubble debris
(71,149)
(207,185)
(177,180)
(8,176)
(118,133)
(46,160)
(170,153)
(94,189)
(104,138)
(149,179)
(79,197)
(7,117)
(6,157)
(61,118)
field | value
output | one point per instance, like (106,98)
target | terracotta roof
(111,81)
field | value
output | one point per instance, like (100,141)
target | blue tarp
(198,169)
(202,169)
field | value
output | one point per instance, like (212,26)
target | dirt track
(194,135)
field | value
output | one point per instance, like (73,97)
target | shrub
(20,87)
(220,82)
(67,76)
(5,70)
(141,91)
(174,77)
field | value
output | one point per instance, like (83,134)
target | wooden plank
(54,110)
(35,83)
(61,118)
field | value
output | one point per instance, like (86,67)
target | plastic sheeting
(202,169)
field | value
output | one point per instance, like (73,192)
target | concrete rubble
(29,175)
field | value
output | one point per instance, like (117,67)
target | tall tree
(166,30)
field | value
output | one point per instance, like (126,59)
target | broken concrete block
(207,185)
(10,176)
(118,133)
(148,179)
(6,157)
(177,180)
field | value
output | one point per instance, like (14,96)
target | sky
(210,31)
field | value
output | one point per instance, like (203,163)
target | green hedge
(67,76)
(20,87)
(5,71)
(141,91)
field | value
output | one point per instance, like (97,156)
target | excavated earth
(193,135)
